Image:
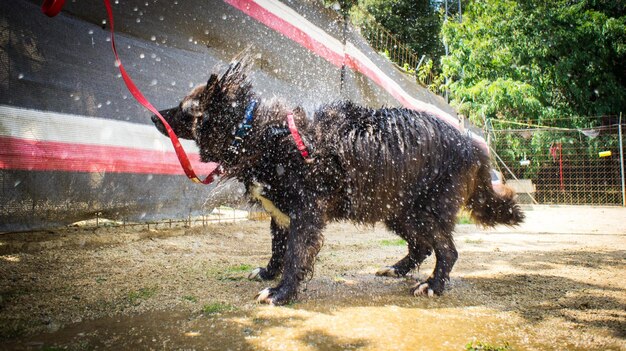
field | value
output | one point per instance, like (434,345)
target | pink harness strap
(296,137)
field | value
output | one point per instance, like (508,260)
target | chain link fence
(562,165)
(389,46)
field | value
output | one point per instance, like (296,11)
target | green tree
(416,23)
(531,59)
(549,63)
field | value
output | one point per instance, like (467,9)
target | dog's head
(184,118)
(210,113)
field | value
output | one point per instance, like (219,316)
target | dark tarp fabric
(73,141)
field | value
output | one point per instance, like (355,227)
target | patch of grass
(232,273)
(464,218)
(216,307)
(474,241)
(240,268)
(135,297)
(393,242)
(190,298)
(483,346)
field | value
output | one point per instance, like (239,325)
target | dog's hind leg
(435,226)
(446,255)
(303,244)
(418,248)
(279,244)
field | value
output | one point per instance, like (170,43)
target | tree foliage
(416,23)
(536,60)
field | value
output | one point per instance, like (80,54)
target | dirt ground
(557,282)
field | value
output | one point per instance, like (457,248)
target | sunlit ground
(557,282)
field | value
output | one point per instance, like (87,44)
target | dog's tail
(488,207)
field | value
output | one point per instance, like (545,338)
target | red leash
(52,8)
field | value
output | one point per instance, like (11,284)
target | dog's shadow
(536,297)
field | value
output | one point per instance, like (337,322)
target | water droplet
(224,17)
(153,82)
(20,76)
(153,38)
(90,32)
(142,55)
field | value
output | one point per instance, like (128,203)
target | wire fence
(389,46)
(563,165)
(218,216)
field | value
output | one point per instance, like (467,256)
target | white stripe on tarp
(68,128)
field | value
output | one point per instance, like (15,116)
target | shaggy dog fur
(407,169)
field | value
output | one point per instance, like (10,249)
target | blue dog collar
(244,127)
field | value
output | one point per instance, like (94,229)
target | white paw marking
(263,296)
(255,274)
(423,289)
(387,272)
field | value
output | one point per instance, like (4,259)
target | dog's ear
(212,80)
(205,95)
(299,112)
(234,80)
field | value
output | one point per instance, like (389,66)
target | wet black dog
(407,169)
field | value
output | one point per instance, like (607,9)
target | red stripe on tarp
(33,155)
(285,28)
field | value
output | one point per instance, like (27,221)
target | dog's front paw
(260,274)
(428,288)
(273,296)
(422,289)
(255,274)
(265,296)
(388,272)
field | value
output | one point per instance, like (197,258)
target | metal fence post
(621,158)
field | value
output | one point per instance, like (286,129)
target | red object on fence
(558,147)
